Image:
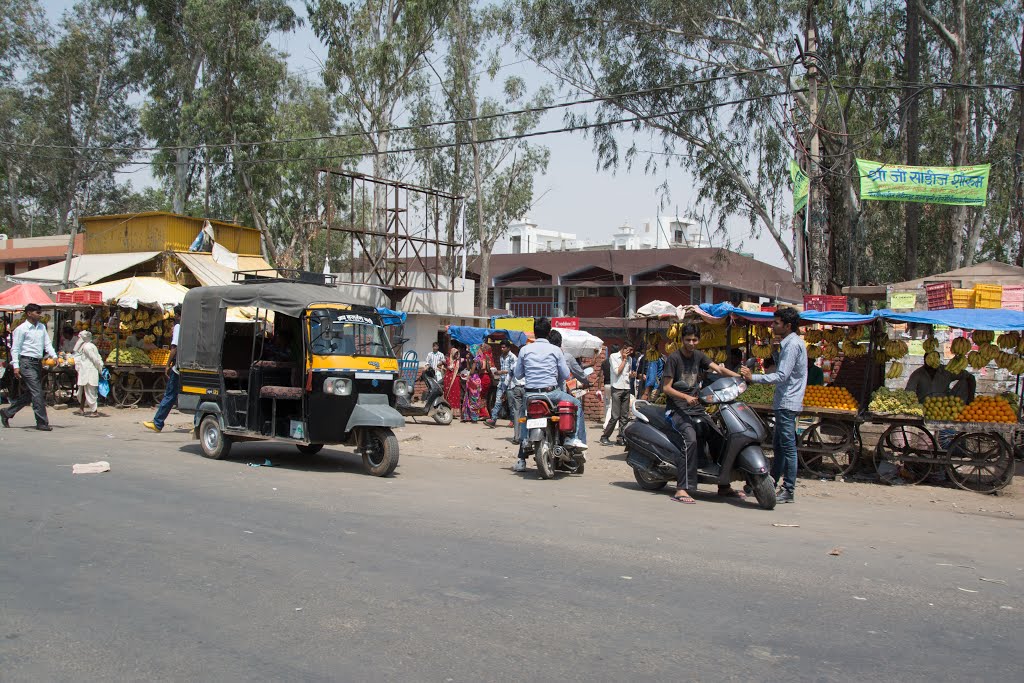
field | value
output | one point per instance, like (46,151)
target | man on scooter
(543,367)
(680,382)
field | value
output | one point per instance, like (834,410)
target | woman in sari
(451,383)
(471,401)
(484,364)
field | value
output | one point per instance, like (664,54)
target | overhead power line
(398,129)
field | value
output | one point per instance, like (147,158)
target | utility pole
(66,280)
(911,112)
(819,251)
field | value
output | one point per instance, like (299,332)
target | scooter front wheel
(764,490)
(443,415)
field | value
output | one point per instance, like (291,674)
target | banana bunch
(880,357)
(1008,341)
(718,355)
(975,360)
(931,344)
(762,351)
(983,336)
(932,359)
(1014,364)
(961,346)
(1020,347)
(830,351)
(671,347)
(762,332)
(895,370)
(814,352)
(989,352)
(857,333)
(813,336)
(853,349)
(711,335)
(653,342)
(957,365)
(896,348)
(833,336)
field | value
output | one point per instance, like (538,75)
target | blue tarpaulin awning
(964,318)
(390,317)
(821,317)
(477,335)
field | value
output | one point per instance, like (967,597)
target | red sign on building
(565,323)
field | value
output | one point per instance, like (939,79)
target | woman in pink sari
(484,364)
(471,401)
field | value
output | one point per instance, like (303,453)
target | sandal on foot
(685,499)
(731,493)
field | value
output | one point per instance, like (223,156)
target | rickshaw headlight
(338,386)
(401,387)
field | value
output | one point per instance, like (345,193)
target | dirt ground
(482,444)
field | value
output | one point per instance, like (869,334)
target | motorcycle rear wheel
(647,482)
(545,460)
(764,490)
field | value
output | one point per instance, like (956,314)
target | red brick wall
(599,307)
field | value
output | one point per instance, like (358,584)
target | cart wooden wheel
(980,462)
(128,389)
(50,387)
(902,441)
(829,448)
(159,387)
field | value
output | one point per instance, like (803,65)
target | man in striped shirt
(30,343)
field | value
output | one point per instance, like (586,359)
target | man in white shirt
(30,343)
(620,369)
(435,361)
(173,380)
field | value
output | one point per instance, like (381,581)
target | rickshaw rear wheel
(380,452)
(211,438)
(309,448)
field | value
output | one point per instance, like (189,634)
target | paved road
(172,566)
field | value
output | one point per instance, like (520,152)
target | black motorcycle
(433,403)
(731,440)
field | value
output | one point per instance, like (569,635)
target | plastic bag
(104,388)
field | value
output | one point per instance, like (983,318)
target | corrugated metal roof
(86,269)
(210,273)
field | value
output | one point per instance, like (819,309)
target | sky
(574,196)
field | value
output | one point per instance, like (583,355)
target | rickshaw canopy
(204,311)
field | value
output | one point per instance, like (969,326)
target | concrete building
(524,237)
(22,254)
(661,232)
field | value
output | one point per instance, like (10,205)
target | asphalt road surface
(174,567)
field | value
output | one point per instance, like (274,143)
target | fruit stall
(117,312)
(971,443)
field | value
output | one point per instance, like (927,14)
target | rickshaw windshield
(335,332)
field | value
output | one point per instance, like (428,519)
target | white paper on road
(91,467)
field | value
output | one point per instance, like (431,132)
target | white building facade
(662,232)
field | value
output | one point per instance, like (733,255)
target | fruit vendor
(138,341)
(930,381)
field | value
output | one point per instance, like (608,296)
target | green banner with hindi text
(800,185)
(958,185)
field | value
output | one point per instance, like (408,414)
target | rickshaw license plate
(537,423)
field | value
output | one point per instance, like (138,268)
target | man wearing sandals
(680,382)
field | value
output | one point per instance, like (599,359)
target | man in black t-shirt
(680,382)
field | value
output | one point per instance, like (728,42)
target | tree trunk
(12,198)
(180,180)
(973,236)
(913,137)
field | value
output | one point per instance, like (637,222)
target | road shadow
(287,457)
(699,496)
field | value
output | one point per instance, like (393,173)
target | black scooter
(731,441)
(433,405)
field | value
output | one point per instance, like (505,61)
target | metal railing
(532,309)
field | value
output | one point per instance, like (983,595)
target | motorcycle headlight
(401,387)
(338,386)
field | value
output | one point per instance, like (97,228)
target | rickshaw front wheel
(380,452)
(211,438)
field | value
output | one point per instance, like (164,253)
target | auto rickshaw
(328,375)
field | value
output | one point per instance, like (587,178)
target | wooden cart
(977,456)
(828,440)
(130,384)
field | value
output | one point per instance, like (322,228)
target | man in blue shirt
(790,378)
(543,367)
(30,343)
